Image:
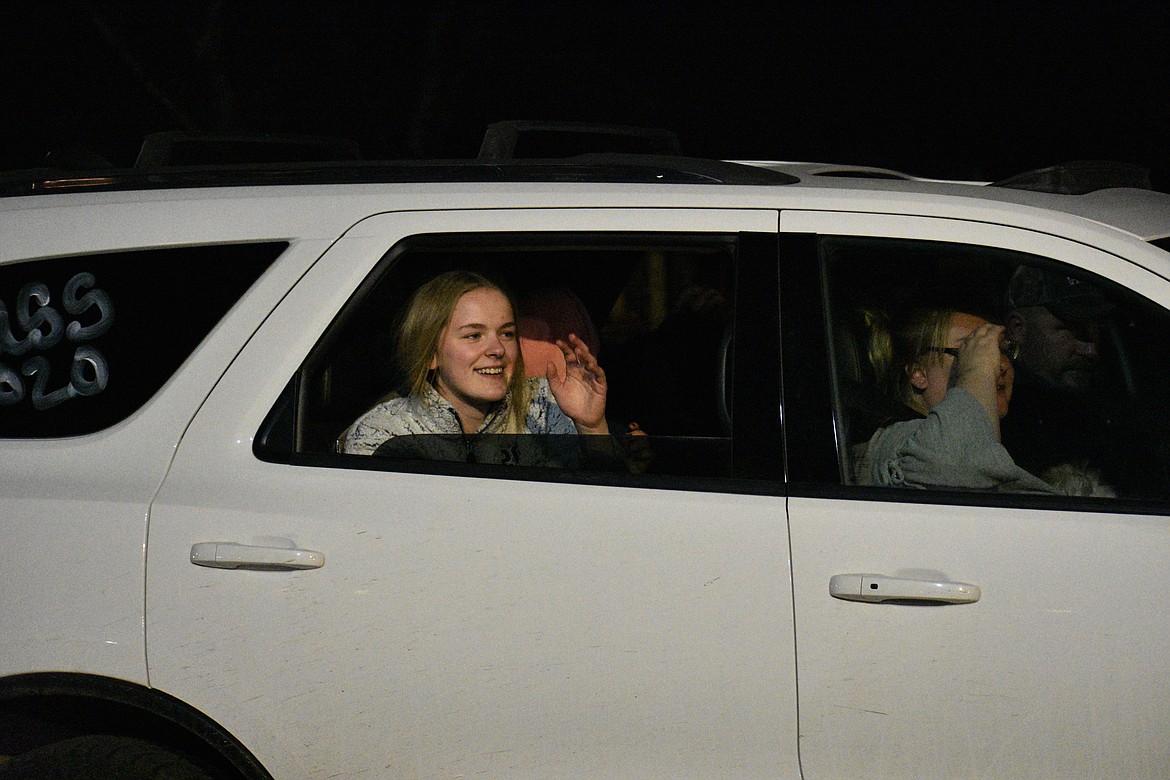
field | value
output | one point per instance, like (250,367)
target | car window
(657,311)
(1071,405)
(85,341)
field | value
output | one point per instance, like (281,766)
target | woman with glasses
(951,373)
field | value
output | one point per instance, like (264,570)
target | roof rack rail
(699,169)
(1080,177)
(180,159)
(598,169)
(169,149)
(526,139)
(861,172)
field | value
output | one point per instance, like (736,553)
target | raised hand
(979,369)
(581,392)
(979,353)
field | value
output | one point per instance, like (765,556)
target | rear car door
(1053,664)
(345,614)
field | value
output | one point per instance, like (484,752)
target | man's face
(1064,353)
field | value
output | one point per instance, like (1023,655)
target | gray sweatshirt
(952,447)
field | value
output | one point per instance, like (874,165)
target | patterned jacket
(430,413)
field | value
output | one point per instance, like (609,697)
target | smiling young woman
(465,373)
(477,355)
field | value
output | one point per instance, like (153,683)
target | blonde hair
(426,319)
(896,347)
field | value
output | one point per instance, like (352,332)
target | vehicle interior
(659,308)
(867,275)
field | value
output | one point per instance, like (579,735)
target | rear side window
(85,341)
(657,310)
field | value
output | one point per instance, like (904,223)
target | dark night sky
(947,89)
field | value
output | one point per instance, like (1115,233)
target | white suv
(197,582)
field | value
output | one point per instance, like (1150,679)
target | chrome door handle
(878,587)
(225,555)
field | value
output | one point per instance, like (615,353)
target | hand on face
(581,392)
(973,360)
(979,353)
(983,369)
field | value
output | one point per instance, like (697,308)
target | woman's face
(477,352)
(937,370)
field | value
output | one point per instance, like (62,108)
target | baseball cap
(1068,298)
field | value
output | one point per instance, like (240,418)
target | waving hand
(581,392)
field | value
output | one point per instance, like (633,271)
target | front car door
(1055,666)
(462,618)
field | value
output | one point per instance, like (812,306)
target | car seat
(860,409)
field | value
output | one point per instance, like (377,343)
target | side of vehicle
(418,619)
(983,689)
(557,627)
(73,644)
(169,668)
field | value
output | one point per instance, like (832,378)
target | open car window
(658,311)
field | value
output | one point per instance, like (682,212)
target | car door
(349,615)
(1024,636)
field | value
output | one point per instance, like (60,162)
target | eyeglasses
(1009,348)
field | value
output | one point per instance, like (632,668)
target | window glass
(86,341)
(655,311)
(971,368)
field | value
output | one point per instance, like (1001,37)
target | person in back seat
(460,350)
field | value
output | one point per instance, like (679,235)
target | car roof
(576,155)
(1141,212)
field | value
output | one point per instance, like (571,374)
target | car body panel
(52,617)
(1053,672)
(464,625)
(47,225)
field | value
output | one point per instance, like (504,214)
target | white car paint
(463,626)
(60,542)
(1056,671)
(468,626)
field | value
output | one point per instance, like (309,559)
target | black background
(941,89)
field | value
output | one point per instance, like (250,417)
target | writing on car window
(87,340)
(35,327)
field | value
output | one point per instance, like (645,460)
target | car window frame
(135,271)
(812,442)
(761,460)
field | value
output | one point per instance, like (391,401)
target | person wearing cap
(1060,413)
(1056,321)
